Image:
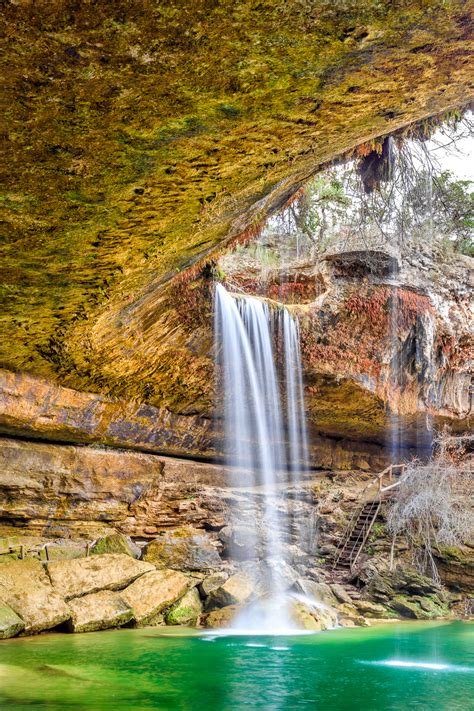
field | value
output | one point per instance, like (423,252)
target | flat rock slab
(154,592)
(183,549)
(25,587)
(99,611)
(10,623)
(75,578)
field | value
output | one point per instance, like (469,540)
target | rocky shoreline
(181,578)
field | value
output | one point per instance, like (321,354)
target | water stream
(262,405)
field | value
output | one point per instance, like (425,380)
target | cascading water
(264,426)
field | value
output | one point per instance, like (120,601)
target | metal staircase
(358,530)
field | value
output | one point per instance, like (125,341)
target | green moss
(135,146)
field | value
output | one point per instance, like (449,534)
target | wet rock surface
(236,590)
(406,593)
(104,590)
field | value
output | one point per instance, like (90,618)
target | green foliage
(323,205)
(454,207)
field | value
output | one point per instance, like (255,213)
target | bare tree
(431,506)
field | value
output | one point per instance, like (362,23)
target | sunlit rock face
(386,338)
(66,491)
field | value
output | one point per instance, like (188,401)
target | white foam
(430,666)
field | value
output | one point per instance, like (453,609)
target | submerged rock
(154,592)
(73,578)
(183,549)
(116,543)
(186,611)
(10,623)
(99,611)
(26,589)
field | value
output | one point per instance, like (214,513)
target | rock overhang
(140,140)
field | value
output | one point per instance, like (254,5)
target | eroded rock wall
(63,491)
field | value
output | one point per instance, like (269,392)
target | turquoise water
(400,666)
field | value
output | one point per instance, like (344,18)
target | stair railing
(377,484)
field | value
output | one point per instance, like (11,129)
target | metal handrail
(378,482)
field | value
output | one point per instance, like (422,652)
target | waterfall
(258,354)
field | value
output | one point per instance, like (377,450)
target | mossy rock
(186,611)
(115,543)
(141,167)
(419,608)
(10,623)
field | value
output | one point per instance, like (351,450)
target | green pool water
(400,666)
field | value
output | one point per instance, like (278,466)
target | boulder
(99,611)
(319,592)
(26,589)
(419,608)
(223,617)
(270,574)
(63,550)
(183,549)
(235,591)
(74,578)
(153,592)
(185,611)
(303,618)
(456,567)
(370,609)
(10,623)
(384,585)
(409,594)
(239,541)
(283,575)
(341,593)
(212,582)
(116,543)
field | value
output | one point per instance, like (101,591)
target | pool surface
(398,666)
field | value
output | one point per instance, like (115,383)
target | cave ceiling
(140,136)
